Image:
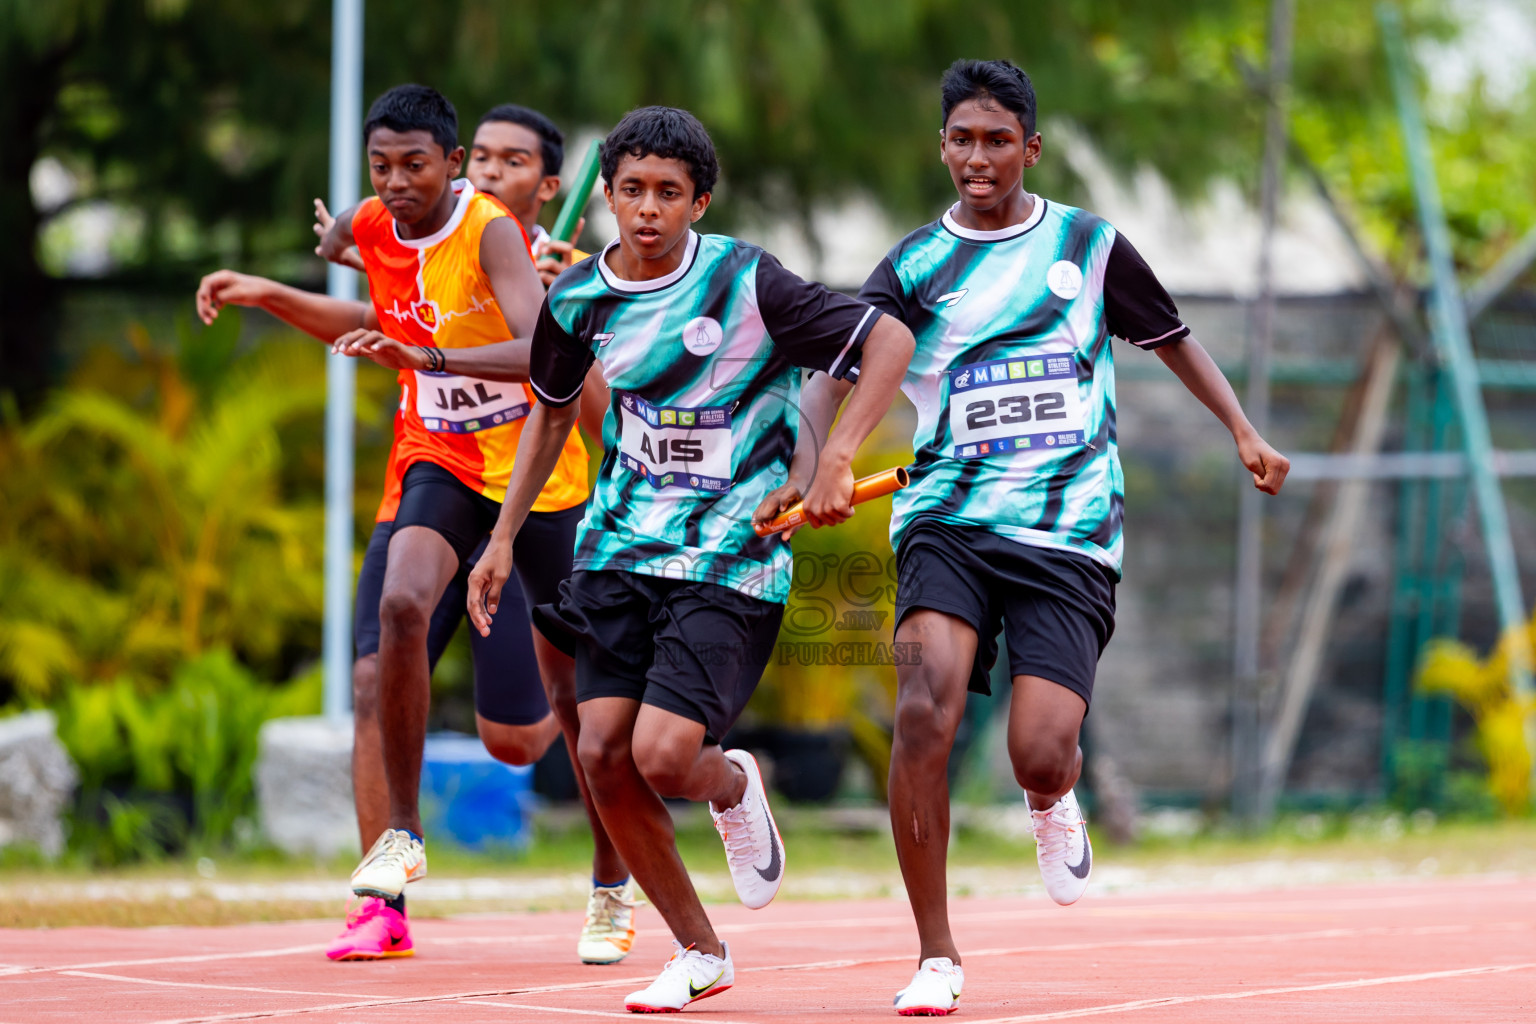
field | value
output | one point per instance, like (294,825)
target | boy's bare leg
(517,744)
(558,670)
(370,792)
(670,752)
(1044,719)
(421,564)
(634,815)
(930,701)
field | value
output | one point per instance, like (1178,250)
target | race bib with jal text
(451,404)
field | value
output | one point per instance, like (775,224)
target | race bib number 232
(1015,405)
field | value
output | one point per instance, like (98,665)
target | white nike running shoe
(934,991)
(753,848)
(1063,849)
(396,858)
(688,976)
(609,931)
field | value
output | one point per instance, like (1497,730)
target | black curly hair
(1001,80)
(665,132)
(410,108)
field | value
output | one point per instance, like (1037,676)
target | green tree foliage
(210,116)
(172,768)
(1477,142)
(151,515)
(207,110)
(1482,686)
(159,556)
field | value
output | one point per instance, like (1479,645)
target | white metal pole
(340,371)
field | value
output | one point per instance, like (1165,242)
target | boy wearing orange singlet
(517,157)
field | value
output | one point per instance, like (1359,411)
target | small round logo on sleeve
(702,335)
(1064,279)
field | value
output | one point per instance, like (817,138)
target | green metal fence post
(1428,581)
(1396,695)
(1448,323)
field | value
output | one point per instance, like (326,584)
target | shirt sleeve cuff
(1168,337)
(552,401)
(848,359)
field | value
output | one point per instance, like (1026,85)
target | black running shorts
(541,561)
(431,496)
(508,689)
(697,650)
(1058,608)
(370,590)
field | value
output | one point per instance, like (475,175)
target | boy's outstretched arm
(501,361)
(518,292)
(887,351)
(820,399)
(1193,365)
(319,316)
(538,450)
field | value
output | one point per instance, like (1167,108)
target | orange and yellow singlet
(433,291)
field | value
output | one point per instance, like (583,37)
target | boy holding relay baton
(1013,518)
(675,601)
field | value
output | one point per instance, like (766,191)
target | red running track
(1443,951)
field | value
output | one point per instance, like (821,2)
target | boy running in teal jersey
(1013,517)
(675,602)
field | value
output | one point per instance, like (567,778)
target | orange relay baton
(875,486)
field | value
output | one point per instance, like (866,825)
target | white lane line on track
(222,988)
(364,1003)
(1331,986)
(1201,940)
(626,1015)
(1201,910)
(450,997)
(192,958)
(1065,947)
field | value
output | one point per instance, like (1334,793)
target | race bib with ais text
(676,447)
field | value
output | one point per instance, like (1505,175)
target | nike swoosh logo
(775,862)
(1080,869)
(695,991)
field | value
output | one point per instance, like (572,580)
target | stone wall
(37,779)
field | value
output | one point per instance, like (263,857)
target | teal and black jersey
(705,407)
(1013,377)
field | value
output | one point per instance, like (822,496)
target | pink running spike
(373,932)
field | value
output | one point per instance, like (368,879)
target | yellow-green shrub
(1483,687)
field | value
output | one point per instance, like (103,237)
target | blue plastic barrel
(470,798)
